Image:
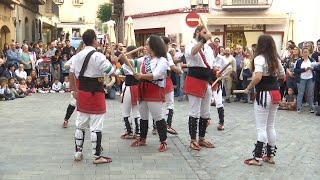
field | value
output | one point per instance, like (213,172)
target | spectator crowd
(38,68)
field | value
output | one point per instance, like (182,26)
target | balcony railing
(245,4)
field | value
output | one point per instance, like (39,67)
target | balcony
(10,3)
(77,2)
(38,2)
(58,2)
(245,4)
(51,9)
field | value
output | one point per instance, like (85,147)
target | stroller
(44,69)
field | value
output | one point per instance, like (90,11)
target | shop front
(143,34)
(245,30)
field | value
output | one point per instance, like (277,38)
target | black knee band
(98,145)
(258,150)
(193,125)
(127,125)
(69,112)
(144,128)
(271,150)
(221,115)
(170,116)
(203,123)
(79,147)
(162,130)
(136,122)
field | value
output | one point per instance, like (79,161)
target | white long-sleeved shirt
(57,86)
(196,60)
(4,90)
(21,74)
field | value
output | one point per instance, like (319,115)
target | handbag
(246,73)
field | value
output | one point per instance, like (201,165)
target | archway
(26,29)
(5,36)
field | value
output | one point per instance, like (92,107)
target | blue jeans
(245,83)
(182,79)
(111,93)
(305,84)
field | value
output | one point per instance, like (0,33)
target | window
(58,1)
(77,2)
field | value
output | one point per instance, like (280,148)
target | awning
(214,19)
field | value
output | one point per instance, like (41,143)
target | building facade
(76,16)
(7,27)
(233,21)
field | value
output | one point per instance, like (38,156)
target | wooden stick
(220,78)
(134,51)
(205,26)
(238,91)
(127,62)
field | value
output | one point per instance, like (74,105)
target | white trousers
(265,119)
(200,107)
(73,101)
(127,107)
(217,98)
(169,104)
(155,109)
(94,120)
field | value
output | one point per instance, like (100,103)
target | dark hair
(67,40)
(40,41)
(165,39)
(290,41)
(56,79)
(57,52)
(198,29)
(157,46)
(267,48)
(11,78)
(131,48)
(216,39)
(291,46)
(88,37)
(3,79)
(318,41)
(10,66)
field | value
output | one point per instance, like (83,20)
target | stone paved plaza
(34,145)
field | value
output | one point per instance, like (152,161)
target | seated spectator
(24,87)
(45,85)
(66,84)
(31,85)
(14,88)
(109,87)
(38,85)
(20,72)
(34,76)
(10,72)
(56,86)
(290,101)
(5,93)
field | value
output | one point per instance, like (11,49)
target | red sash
(275,96)
(195,87)
(151,92)
(134,92)
(91,103)
(203,57)
(169,85)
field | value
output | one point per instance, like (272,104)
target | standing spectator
(13,56)
(285,54)
(309,46)
(68,48)
(41,49)
(239,58)
(228,78)
(2,64)
(183,64)
(217,43)
(246,74)
(59,46)
(36,50)
(109,87)
(51,50)
(289,69)
(5,49)
(26,59)
(9,73)
(20,72)
(316,53)
(304,75)
(65,72)
(18,48)
(316,57)
(55,62)
(119,49)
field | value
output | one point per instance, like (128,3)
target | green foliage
(104,12)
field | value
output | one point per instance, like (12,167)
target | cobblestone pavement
(34,145)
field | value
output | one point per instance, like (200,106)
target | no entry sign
(192,19)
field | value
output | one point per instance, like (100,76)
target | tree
(104,12)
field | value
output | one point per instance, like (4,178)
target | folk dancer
(220,62)
(130,96)
(89,69)
(152,90)
(200,61)
(267,69)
